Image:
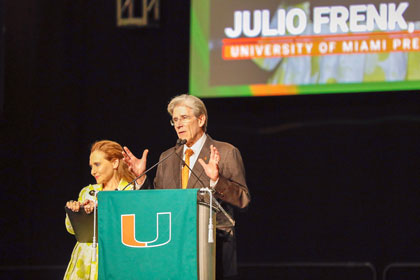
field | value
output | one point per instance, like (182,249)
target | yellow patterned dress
(82,266)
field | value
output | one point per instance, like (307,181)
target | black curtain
(332,177)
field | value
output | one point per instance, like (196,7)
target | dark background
(1,58)
(333,178)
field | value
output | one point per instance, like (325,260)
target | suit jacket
(231,189)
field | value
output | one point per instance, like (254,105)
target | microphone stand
(94,241)
(210,233)
(210,191)
(179,142)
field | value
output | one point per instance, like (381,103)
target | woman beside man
(111,173)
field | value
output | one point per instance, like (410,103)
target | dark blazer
(231,190)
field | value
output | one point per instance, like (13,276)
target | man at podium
(217,165)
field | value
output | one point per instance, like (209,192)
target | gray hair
(192,102)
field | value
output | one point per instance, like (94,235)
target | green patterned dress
(81,264)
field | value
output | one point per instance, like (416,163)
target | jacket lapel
(198,169)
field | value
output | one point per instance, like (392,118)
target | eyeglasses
(182,118)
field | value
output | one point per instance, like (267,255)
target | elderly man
(223,172)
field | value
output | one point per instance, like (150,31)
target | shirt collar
(197,145)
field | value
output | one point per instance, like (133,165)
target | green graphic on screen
(268,47)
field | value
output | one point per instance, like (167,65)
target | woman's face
(102,169)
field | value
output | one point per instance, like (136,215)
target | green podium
(154,234)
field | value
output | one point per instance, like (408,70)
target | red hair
(113,150)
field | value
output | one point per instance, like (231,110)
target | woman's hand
(73,205)
(89,206)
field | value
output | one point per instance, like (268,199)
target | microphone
(179,142)
(204,188)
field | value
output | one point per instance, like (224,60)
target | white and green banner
(149,234)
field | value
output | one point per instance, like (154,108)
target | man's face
(188,126)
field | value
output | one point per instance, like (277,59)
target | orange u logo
(163,231)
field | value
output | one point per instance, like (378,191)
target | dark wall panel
(2,30)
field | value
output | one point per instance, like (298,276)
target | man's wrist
(140,181)
(213,183)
